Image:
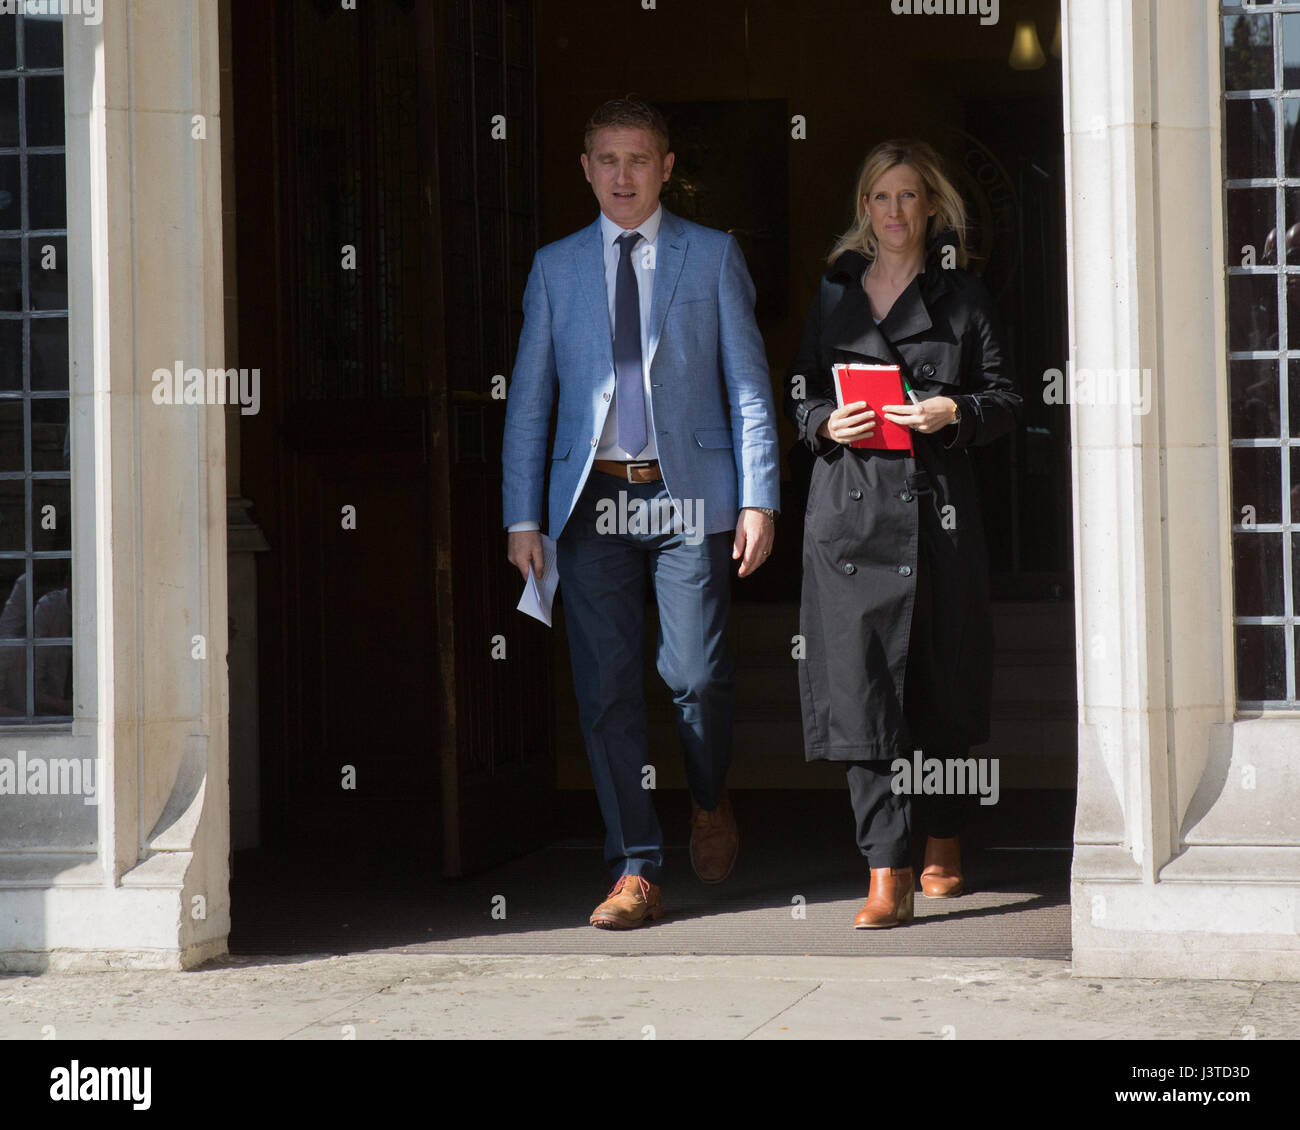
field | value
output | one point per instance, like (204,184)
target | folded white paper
(537,596)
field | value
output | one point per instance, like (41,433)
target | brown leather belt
(645,472)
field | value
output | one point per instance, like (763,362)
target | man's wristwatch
(764,510)
(956,413)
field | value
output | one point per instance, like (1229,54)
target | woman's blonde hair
(951,210)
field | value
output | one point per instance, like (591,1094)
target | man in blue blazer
(664,468)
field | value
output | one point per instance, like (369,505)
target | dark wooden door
(363,709)
(498,756)
(378,314)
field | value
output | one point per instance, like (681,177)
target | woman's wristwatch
(956,412)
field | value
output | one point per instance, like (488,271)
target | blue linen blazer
(714,418)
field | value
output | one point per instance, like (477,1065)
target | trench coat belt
(918,482)
(646,471)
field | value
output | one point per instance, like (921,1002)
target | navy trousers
(603,576)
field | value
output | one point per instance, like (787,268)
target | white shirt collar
(649,227)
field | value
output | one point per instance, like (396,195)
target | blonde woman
(895,604)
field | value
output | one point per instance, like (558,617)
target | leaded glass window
(1261,112)
(35,487)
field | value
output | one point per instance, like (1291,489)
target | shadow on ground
(797,884)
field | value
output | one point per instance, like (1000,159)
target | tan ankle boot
(889,899)
(941,875)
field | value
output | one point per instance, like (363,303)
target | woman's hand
(851,422)
(927,416)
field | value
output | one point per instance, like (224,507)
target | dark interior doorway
(375,240)
(382,240)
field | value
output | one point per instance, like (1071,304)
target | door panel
(366,616)
(499,767)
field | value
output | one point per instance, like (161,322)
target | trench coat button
(855,494)
(927,370)
(849,568)
(606,396)
(905,570)
(593,441)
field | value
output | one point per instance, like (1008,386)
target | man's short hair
(627,113)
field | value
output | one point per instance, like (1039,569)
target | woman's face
(899,210)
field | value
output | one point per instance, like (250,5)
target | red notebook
(877,385)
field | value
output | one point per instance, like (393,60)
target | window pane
(1261,663)
(8,112)
(47,194)
(50,434)
(11,275)
(43,40)
(1293,307)
(11,355)
(53,680)
(1257,574)
(1291,140)
(1293,410)
(51,577)
(1252,312)
(1257,484)
(1295,555)
(1252,223)
(50,354)
(11,435)
(8,45)
(51,514)
(45,110)
(1250,138)
(13,594)
(13,680)
(13,516)
(11,216)
(1295,504)
(47,272)
(1290,51)
(1254,399)
(1248,53)
(1291,202)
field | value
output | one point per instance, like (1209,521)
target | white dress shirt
(644,253)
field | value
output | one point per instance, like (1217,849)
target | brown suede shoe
(941,875)
(889,899)
(632,902)
(715,840)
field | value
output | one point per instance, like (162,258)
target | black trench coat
(895,612)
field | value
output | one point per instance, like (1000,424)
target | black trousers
(884,820)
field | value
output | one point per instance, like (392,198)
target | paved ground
(396,995)
(792,900)
(798,882)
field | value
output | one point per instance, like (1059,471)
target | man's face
(626,170)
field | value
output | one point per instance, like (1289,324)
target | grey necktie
(629,390)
